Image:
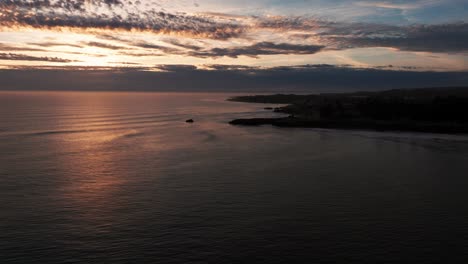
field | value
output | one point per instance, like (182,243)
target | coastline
(445,128)
(394,110)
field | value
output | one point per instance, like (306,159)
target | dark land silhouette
(437,110)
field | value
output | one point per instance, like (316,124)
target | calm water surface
(121,178)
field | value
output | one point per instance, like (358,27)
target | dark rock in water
(268,108)
(189,121)
(254,121)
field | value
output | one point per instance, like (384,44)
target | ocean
(100,177)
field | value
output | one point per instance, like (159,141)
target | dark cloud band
(22,57)
(262,48)
(311,78)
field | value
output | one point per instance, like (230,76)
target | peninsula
(435,110)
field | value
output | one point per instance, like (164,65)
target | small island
(435,110)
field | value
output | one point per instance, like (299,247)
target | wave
(53,132)
(100,128)
(111,136)
(57,132)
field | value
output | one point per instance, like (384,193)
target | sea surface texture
(122,178)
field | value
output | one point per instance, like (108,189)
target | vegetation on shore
(440,110)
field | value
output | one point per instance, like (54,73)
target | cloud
(185,49)
(222,67)
(449,38)
(150,46)
(55,44)
(112,2)
(69,5)
(140,54)
(397,4)
(176,68)
(310,78)
(125,63)
(205,34)
(8,47)
(262,48)
(74,15)
(103,45)
(388,4)
(287,23)
(184,45)
(22,57)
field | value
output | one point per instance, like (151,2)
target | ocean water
(121,178)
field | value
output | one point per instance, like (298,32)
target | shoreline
(416,110)
(294,122)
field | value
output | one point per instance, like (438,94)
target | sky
(208,35)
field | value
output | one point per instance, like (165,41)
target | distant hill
(418,92)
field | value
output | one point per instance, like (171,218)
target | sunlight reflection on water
(120,177)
